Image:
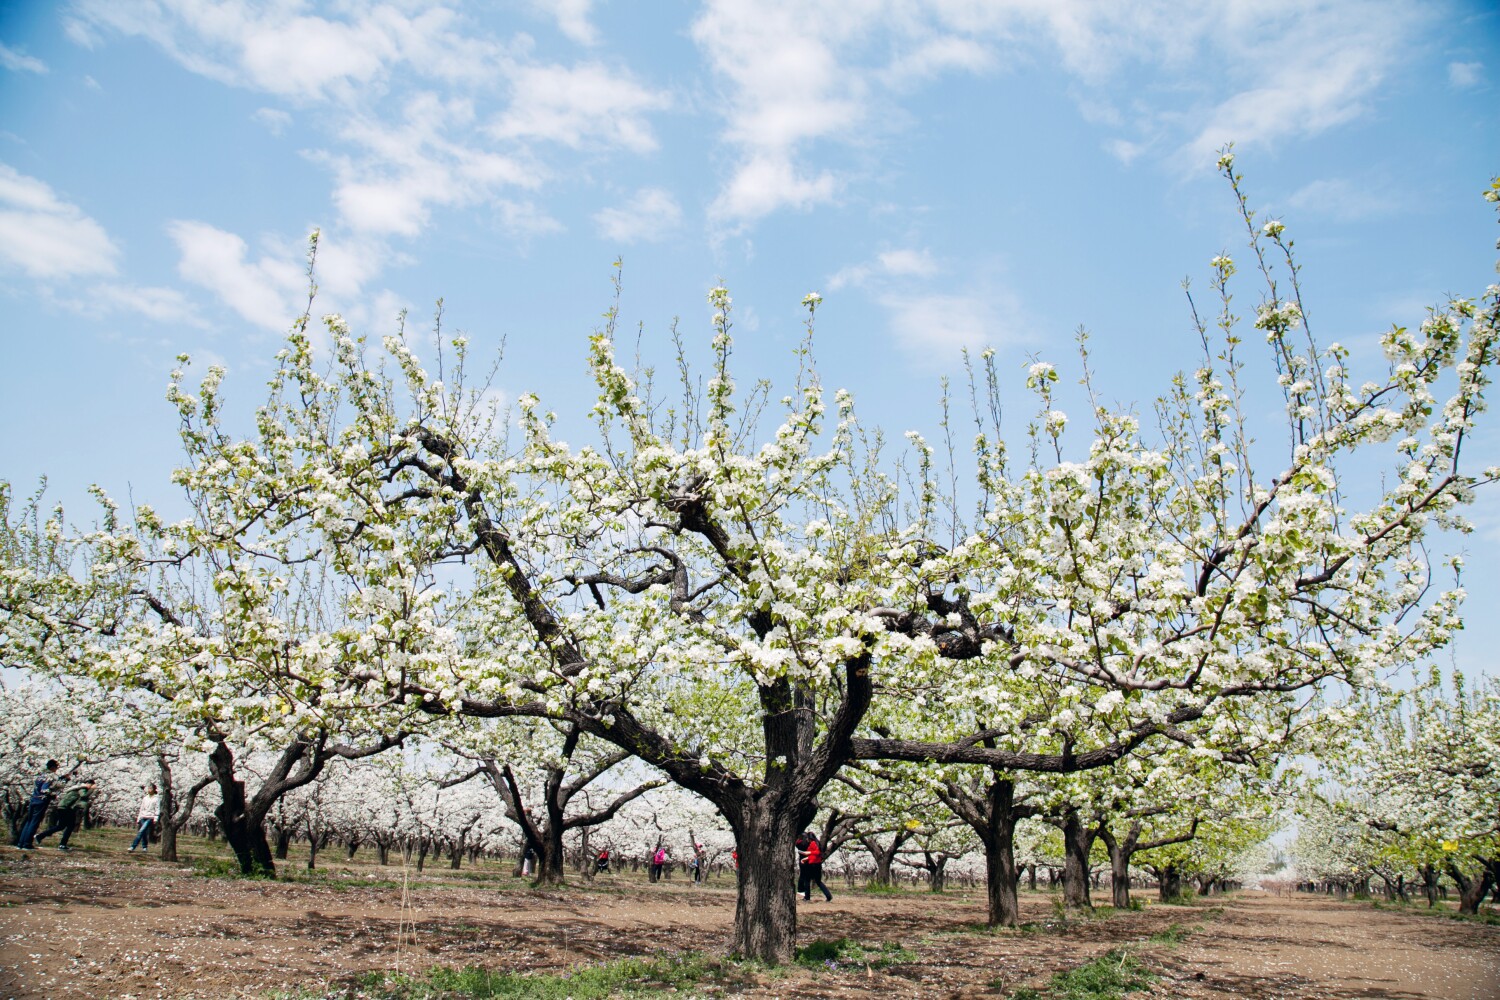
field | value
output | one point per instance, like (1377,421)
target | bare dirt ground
(101,923)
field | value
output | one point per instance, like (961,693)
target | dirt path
(101,924)
(1312,948)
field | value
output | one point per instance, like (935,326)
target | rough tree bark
(1122,849)
(993,815)
(173,819)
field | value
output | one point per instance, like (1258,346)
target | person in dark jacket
(42,791)
(70,809)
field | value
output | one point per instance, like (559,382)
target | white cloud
(265,292)
(526,218)
(1342,199)
(887,264)
(786,87)
(1465,75)
(574,105)
(403,170)
(397,88)
(1306,96)
(907,262)
(768,182)
(19,62)
(274,120)
(936,327)
(650,215)
(799,75)
(165,305)
(46,237)
(572,18)
(277,49)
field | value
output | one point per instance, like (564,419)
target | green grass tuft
(842,952)
(1108,977)
(632,977)
(1171,934)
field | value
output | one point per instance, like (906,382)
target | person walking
(146,817)
(42,791)
(70,809)
(658,863)
(810,871)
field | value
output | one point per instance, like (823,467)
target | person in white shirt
(146,817)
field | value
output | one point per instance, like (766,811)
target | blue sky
(947,173)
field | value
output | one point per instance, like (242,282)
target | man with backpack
(36,807)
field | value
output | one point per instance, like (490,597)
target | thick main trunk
(1169,883)
(243,831)
(1077,840)
(1471,890)
(998,836)
(765,912)
(551,859)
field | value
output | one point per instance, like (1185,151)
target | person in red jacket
(810,867)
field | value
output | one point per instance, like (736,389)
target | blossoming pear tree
(201,635)
(1421,778)
(726,602)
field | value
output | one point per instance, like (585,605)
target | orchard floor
(102,923)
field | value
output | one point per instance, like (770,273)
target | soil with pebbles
(102,923)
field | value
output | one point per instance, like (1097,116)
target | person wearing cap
(70,809)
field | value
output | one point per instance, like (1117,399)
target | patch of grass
(633,977)
(214,867)
(1108,977)
(882,888)
(835,954)
(1172,934)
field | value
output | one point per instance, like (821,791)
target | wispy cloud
(19,62)
(934,328)
(46,237)
(799,78)
(265,292)
(1465,75)
(572,17)
(274,120)
(578,105)
(650,215)
(1345,200)
(887,264)
(164,305)
(420,110)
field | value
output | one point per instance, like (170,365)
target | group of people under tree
(64,802)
